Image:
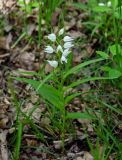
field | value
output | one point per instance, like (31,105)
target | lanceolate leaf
(49,93)
(74,84)
(77,68)
(103,54)
(77,115)
(69,98)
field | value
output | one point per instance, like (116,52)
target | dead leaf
(45,121)
(26,60)
(36,113)
(48,68)
(80,158)
(88,156)
(31,142)
(3,122)
(55,16)
(3,146)
(30,28)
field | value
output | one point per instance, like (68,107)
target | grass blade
(19,138)
(78,67)
(77,115)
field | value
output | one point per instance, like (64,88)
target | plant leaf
(101,9)
(114,49)
(103,54)
(78,67)
(69,98)
(112,73)
(49,93)
(77,115)
(79,6)
(74,84)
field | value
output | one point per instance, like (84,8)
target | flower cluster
(109,4)
(61,47)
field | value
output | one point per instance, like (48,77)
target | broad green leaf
(114,3)
(77,115)
(101,9)
(113,73)
(103,54)
(106,68)
(115,49)
(35,4)
(49,93)
(77,68)
(118,12)
(79,6)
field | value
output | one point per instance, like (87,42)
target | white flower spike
(68,39)
(61,32)
(101,4)
(68,45)
(59,48)
(52,37)
(66,52)
(109,4)
(49,49)
(63,59)
(53,63)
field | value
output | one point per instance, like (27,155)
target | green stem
(40,20)
(19,139)
(63,128)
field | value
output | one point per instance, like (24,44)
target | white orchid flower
(101,4)
(27,1)
(68,39)
(61,32)
(63,59)
(49,49)
(68,45)
(59,48)
(53,63)
(66,52)
(109,4)
(52,37)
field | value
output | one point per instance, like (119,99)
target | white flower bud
(27,1)
(63,59)
(59,48)
(53,63)
(68,39)
(101,4)
(52,37)
(66,52)
(61,32)
(49,49)
(109,3)
(68,45)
